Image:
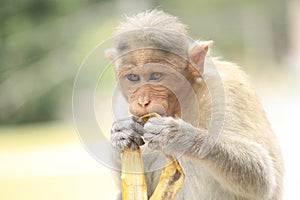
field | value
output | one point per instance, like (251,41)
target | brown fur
(244,161)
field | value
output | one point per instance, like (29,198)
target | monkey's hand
(170,135)
(127,133)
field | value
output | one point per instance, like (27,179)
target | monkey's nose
(143,102)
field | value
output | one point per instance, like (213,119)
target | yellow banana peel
(133,178)
(170,181)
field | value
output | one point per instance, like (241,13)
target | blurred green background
(44,42)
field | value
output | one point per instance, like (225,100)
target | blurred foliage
(229,22)
(38,39)
(42,43)
(22,17)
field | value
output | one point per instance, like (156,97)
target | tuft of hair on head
(155,19)
(152,29)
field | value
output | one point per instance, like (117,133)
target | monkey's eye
(133,77)
(156,76)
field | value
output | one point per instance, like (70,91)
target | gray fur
(127,133)
(152,29)
(243,163)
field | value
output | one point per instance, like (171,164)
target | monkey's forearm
(241,165)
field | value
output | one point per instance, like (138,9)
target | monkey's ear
(111,53)
(197,55)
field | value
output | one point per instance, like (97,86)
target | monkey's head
(156,67)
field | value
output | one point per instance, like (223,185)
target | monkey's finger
(138,129)
(135,142)
(148,136)
(121,144)
(153,128)
(153,144)
(118,135)
(130,136)
(138,120)
(158,120)
(124,138)
(139,141)
(122,124)
(133,145)
(126,142)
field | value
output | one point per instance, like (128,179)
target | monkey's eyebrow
(126,65)
(131,63)
(160,62)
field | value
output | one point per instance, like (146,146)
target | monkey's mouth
(157,108)
(162,114)
(146,117)
(140,111)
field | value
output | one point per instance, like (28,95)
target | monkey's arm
(243,166)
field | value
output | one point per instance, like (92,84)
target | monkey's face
(151,88)
(154,81)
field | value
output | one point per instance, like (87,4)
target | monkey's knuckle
(114,136)
(122,124)
(149,126)
(169,131)
(153,144)
(117,126)
(114,128)
(169,120)
(118,144)
(139,141)
(126,138)
(128,144)
(157,120)
(153,128)
(137,128)
(171,124)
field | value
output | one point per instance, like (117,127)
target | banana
(133,178)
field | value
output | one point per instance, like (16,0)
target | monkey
(160,69)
